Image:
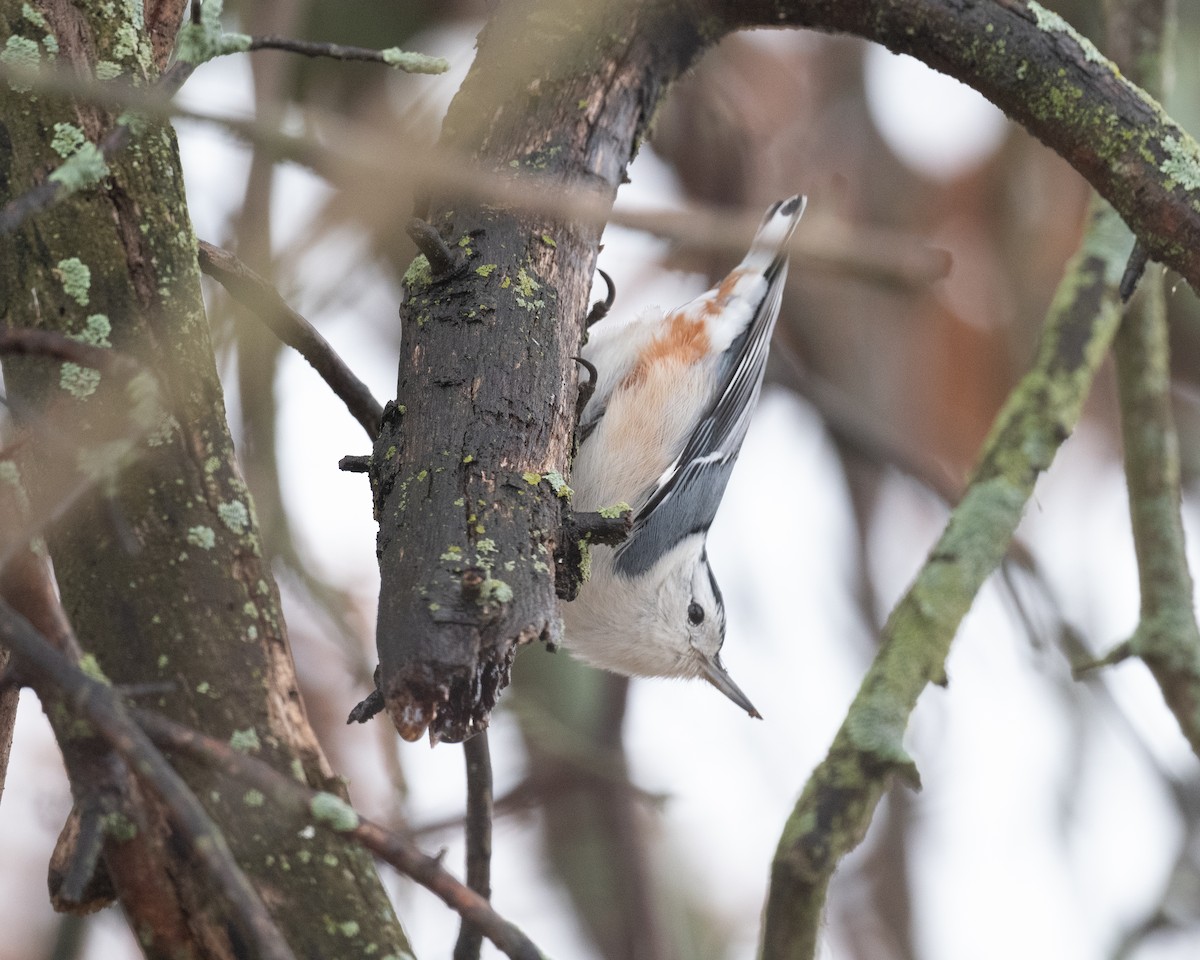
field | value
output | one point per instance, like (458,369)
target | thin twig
(478,838)
(393,57)
(52,675)
(263,300)
(325,809)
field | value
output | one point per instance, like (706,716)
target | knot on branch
(579,532)
(443,262)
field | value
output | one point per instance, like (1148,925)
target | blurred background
(1058,819)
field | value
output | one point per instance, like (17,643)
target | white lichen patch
(234,515)
(202,537)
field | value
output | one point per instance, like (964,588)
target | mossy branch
(835,808)
(1167,638)
(1044,75)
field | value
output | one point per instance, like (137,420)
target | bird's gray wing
(686,497)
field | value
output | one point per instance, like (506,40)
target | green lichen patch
(34,16)
(253,798)
(496,590)
(615,510)
(75,277)
(1051,22)
(1182,163)
(548,240)
(23,53)
(118,826)
(202,537)
(202,41)
(83,168)
(234,515)
(486,269)
(559,485)
(418,276)
(245,741)
(67,139)
(334,812)
(91,666)
(79,382)
(414,62)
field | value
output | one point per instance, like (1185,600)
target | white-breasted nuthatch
(673,397)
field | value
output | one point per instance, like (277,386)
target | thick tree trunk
(160,567)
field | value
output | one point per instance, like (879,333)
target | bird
(672,400)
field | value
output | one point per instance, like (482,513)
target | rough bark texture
(160,568)
(566,91)
(469,464)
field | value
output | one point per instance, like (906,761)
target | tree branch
(1167,637)
(836,805)
(53,676)
(258,296)
(478,837)
(1054,82)
(392,56)
(329,811)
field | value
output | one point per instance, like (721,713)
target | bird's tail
(773,235)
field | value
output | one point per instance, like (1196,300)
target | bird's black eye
(695,613)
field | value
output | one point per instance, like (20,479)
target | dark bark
(468,464)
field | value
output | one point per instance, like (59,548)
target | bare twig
(478,837)
(332,812)
(263,300)
(50,673)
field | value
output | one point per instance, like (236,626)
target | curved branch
(394,848)
(258,296)
(839,799)
(56,680)
(1045,76)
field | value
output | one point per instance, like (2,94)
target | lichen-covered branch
(836,805)
(333,813)
(98,711)
(1054,82)
(1167,637)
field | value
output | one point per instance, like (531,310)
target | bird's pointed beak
(714,672)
